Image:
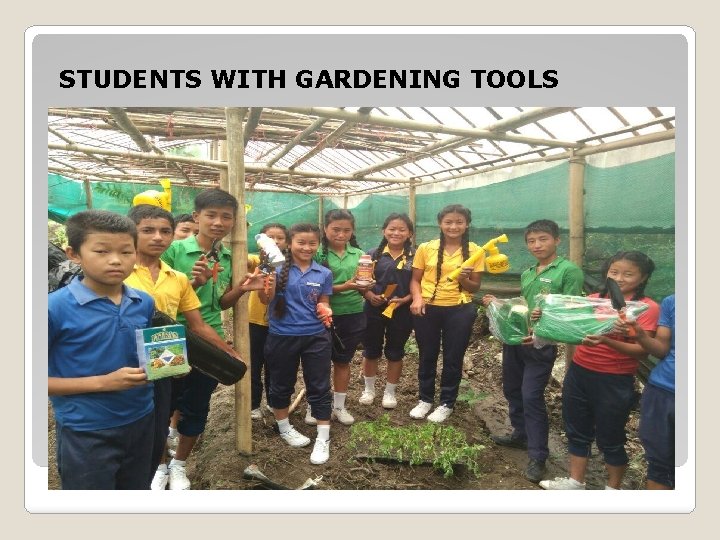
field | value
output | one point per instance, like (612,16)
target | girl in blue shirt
(298,334)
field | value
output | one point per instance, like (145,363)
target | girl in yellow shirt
(442,310)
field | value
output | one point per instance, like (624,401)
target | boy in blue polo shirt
(101,398)
(526,369)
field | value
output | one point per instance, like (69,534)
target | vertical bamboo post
(238,243)
(321,212)
(345,202)
(576,212)
(222,154)
(411,206)
(88,194)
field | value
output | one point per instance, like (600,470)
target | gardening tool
(253,472)
(389,310)
(496,262)
(163,199)
(213,255)
(274,256)
(337,344)
(206,357)
(618,302)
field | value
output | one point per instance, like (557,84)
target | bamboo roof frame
(333,151)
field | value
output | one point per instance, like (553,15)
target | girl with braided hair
(340,253)
(599,386)
(443,310)
(298,334)
(393,266)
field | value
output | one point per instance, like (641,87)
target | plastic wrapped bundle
(568,319)
(509,319)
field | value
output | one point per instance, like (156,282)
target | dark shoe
(535,470)
(509,440)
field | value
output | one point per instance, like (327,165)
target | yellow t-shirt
(172,291)
(257,311)
(448,292)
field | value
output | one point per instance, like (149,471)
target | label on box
(162,351)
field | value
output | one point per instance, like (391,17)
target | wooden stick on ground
(296,401)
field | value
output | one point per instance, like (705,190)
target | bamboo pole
(412,208)
(345,202)
(296,140)
(577,210)
(88,194)
(241,343)
(129,154)
(223,156)
(414,125)
(123,121)
(321,212)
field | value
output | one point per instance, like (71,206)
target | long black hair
(280,304)
(407,247)
(464,241)
(336,215)
(644,263)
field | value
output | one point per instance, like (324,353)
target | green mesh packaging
(509,319)
(568,319)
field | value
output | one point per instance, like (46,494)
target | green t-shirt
(182,255)
(343,268)
(559,277)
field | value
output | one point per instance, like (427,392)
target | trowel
(617,298)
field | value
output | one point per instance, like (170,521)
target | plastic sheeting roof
(337,151)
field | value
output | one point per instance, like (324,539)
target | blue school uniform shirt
(663,375)
(89,335)
(301,295)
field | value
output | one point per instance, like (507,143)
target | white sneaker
(389,401)
(367,398)
(171,452)
(178,477)
(160,480)
(294,438)
(256,414)
(310,420)
(321,452)
(440,414)
(343,416)
(420,410)
(561,483)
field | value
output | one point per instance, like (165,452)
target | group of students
(113,428)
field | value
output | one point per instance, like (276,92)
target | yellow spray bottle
(495,263)
(163,199)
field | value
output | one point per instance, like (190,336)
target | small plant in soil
(469,395)
(442,446)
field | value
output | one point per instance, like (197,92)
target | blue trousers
(657,433)
(284,354)
(526,372)
(162,399)
(194,402)
(449,326)
(258,336)
(596,406)
(114,458)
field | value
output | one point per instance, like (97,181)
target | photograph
(374,297)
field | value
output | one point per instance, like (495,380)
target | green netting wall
(631,206)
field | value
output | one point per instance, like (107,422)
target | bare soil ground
(215,464)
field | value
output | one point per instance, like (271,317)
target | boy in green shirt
(526,369)
(215,212)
